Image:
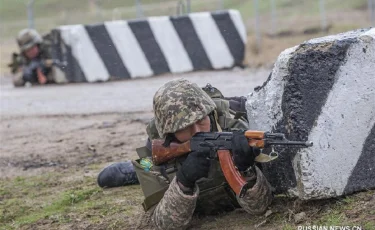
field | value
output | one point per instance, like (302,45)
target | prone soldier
(194,184)
(34,64)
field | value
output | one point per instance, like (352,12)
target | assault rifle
(220,145)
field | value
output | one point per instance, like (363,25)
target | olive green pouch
(153,183)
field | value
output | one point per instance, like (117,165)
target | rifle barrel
(292,143)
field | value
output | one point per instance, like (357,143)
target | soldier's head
(28,41)
(182,108)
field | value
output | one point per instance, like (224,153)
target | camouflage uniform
(186,103)
(26,39)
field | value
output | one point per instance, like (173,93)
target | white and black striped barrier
(322,90)
(151,46)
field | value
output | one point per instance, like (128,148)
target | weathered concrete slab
(150,46)
(322,90)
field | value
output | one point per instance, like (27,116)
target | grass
(349,211)
(333,219)
(369,226)
(26,201)
(54,201)
(288,227)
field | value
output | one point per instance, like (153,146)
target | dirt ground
(56,139)
(37,144)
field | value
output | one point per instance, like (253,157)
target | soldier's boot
(18,79)
(58,76)
(117,174)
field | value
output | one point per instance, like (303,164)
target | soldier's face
(187,133)
(32,52)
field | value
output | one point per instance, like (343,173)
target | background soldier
(195,184)
(34,63)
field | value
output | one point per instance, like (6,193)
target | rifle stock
(161,154)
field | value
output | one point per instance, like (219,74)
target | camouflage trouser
(55,76)
(18,79)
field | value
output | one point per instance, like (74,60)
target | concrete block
(324,91)
(151,46)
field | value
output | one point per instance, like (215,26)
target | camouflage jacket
(175,210)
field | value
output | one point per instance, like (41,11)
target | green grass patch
(289,227)
(18,212)
(333,219)
(75,196)
(59,199)
(369,225)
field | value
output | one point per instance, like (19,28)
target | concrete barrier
(322,90)
(151,46)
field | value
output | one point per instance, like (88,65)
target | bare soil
(35,145)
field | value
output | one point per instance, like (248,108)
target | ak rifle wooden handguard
(256,138)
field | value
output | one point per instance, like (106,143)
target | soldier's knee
(18,82)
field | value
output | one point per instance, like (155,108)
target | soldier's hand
(195,167)
(243,154)
(42,79)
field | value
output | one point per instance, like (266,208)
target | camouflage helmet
(27,38)
(178,104)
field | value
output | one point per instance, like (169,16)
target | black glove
(243,154)
(195,167)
